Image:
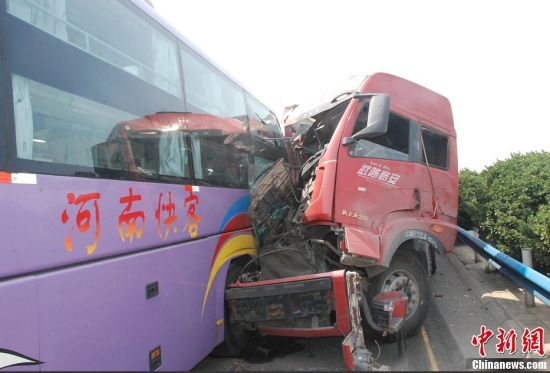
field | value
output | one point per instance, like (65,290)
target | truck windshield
(337,91)
(324,125)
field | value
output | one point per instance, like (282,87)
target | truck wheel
(407,273)
(235,335)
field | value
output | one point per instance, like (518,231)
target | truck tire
(406,272)
(236,336)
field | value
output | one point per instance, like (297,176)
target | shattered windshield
(337,92)
(324,125)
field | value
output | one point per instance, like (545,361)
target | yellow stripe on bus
(236,246)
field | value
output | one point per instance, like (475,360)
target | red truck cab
(382,188)
(376,169)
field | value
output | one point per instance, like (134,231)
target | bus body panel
(99,317)
(42,244)
(19,322)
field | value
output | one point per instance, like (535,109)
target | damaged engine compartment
(278,200)
(285,246)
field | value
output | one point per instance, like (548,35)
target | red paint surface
(5,177)
(375,198)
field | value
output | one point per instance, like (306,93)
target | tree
(517,206)
(471,199)
(509,202)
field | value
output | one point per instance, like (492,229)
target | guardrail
(526,277)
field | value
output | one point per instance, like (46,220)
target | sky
(491,59)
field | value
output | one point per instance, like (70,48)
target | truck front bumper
(317,305)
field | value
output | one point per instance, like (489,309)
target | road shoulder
(483,297)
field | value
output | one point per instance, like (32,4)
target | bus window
(266,133)
(219,160)
(113,34)
(168,146)
(207,91)
(157,154)
(262,120)
(55,126)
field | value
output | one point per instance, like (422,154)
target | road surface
(438,346)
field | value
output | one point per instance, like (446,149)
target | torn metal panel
(285,247)
(273,200)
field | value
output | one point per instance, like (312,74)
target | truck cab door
(375,177)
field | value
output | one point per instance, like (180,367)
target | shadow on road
(265,349)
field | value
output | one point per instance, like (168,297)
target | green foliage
(471,200)
(510,202)
(541,226)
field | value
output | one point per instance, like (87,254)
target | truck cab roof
(407,98)
(412,100)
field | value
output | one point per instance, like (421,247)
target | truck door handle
(416,198)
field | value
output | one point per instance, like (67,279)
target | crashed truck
(347,227)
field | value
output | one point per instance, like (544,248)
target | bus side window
(109,31)
(52,125)
(107,156)
(207,90)
(217,161)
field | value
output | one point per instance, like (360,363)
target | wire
(379,350)
(264,254)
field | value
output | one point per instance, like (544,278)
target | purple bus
(125,162)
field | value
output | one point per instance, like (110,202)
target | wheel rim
(403,281)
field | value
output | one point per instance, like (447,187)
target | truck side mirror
(377,122)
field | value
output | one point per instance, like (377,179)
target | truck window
(436,148)
(392,145)
(323,128)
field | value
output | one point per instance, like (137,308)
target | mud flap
(356,355)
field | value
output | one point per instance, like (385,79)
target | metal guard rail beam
(524,276)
